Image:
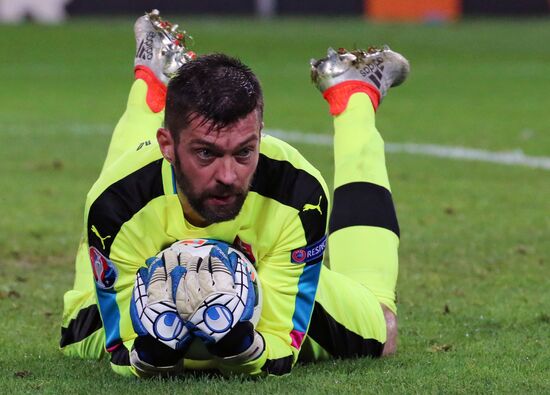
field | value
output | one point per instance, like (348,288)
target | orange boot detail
(338,95)
(156,90)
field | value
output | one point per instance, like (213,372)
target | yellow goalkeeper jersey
(133,212)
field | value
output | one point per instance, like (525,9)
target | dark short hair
(217,87)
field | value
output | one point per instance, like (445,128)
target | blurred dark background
(308,7)
(423,11)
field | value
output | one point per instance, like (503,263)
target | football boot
(380,68)
(161,46)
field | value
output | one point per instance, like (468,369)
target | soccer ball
(201,248)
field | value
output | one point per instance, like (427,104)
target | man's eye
(205,154)
(244,153)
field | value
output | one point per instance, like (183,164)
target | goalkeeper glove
(216,298)
(152,308)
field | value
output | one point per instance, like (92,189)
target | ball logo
(168,326)
(299,255)
(193,242)
(218,318)
(250,272)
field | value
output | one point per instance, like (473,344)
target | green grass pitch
(474,300)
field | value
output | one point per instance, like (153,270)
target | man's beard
(197,201)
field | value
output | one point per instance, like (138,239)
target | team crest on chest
(245,248)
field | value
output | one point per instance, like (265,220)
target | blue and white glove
(215,298)
(153,308)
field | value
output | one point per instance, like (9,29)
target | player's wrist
(338,95)
(149,358)
(156,353)
(241,345)
(145,370)
(237,340)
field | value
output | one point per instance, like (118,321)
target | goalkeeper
(185,161)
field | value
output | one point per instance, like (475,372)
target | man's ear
(166,144)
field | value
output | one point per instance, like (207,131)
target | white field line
(53,129)
(511,158)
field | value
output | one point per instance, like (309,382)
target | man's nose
(226,172)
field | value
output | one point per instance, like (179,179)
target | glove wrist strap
(253,352)
(144,369)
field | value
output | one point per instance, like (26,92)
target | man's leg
(348,318)
(82,331)
(160,51)
(363,230)
(138,125)
(81,324)
(347,321)
(356,297)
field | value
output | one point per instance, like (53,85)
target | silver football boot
(382,68)
(160,45)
